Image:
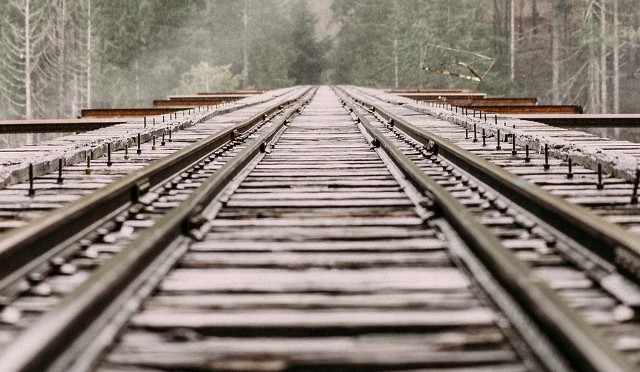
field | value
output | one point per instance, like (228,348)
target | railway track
(49,258)
(330,239)
(24,201)
(578,254)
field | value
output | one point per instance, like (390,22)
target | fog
(121,53)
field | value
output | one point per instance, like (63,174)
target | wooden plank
(306,260)
(521,109)
(234,301)
(451,349)
(387,245)
(584,120)
(275,280)
(55,125)
(130,112)
(288,320)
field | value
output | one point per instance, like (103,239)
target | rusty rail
(130,112)
(55,125)
(521,109)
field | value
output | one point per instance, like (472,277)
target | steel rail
(607,240)
(579,342)
(46,341)
(22,249)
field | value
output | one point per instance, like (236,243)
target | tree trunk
(616,60)
(137,89)
(395,61)
(555,54)
(27,60)
(512,49)
(594,84)
(603,57)
(245,44)
(89,53)
(61,30)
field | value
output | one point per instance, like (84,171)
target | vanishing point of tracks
(321,234)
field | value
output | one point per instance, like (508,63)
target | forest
(63,55)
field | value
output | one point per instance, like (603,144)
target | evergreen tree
(307,64)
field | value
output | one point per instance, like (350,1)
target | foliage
(145,49)
(205,78)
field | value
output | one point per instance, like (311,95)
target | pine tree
(307,64)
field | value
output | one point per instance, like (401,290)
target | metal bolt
(495,117)
(485,116)
(153,145)
(546,157)
(475,133)
(109,163)
(153,121)
(570,173)
(526,157)
(139,151)
(162,143)
(498,147)
(600,185)
(466,133)
(484,138)
(170,135)
(513,145)
(145,121)
(32,191)
(126,151)
(60,179)
(88,170)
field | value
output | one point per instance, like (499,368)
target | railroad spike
(60,179)
(32,191)
(109,162)
(498,147)
(153,143)
(570,173)
(526,156)
(475,133)
(139,151)
(126,151)
(547,166)
(484,138)
(162,143)
(600,185)
(88,171)
(513,145)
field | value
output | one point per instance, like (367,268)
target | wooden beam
(130,112)
(519,109)
(584,120)
(507,101)
(442,96)
(55,125)
(188,102)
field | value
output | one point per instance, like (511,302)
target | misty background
(60,56)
